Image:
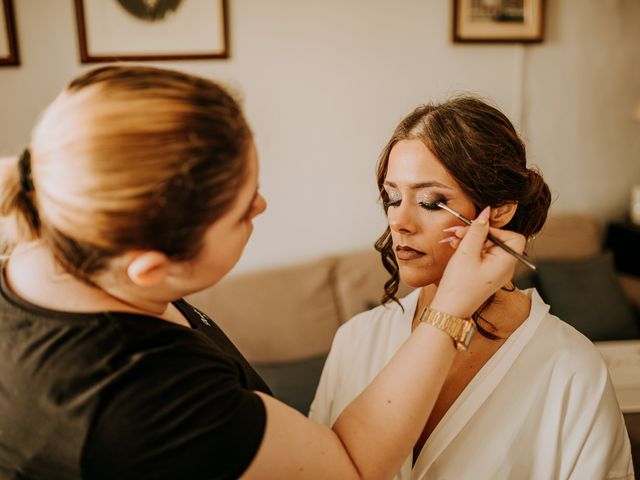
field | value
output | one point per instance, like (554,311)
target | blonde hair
(129,158)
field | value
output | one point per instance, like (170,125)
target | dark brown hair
(130,158)
(480,148)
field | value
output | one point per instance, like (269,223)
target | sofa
(283,319)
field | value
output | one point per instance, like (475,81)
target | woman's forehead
(413,165)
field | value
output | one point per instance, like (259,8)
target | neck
(506,312)
(34,275)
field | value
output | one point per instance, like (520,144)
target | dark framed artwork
(498,20)
(8,39)
(138,30)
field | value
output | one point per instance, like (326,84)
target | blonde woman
(139,187)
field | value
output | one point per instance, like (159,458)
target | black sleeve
(174,415)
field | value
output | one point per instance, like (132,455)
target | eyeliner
(500,243)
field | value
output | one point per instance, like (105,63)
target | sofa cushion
(566,236)
(586,293)
(359,283)
(294,383)
(275,315)
(563,237)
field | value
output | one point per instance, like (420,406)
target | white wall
(581,90)
(324,84)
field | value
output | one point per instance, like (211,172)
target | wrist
(461,330)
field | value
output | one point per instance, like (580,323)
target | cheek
(432,231)
(241,237)
(432,226)
(441,254)
(244,235)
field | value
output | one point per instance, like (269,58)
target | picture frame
(8,39)
(498,21)
(150,30)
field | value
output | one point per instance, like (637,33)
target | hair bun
(533,206)
(538,189)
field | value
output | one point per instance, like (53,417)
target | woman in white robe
(531,398)
(541,407)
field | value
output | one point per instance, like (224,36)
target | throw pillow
(587,295)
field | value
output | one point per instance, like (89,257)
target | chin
(417,278)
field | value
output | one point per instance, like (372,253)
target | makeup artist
(139,187)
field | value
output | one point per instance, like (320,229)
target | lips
(404,252)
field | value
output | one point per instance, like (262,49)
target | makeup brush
(500,243)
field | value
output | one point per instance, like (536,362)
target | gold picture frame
(139,30)
(8,40)
(498,21)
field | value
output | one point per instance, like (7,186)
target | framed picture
(8,42)
(498,20)
(121,30)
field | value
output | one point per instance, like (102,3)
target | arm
(376,432)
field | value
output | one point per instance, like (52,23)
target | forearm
(374,434)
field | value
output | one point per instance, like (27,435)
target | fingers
(478,261)
(476,234)
(515,240)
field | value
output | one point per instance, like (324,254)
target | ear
(502,215)
(148,268)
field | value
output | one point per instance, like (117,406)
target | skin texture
(411,163)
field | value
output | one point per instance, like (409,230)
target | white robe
(542,407)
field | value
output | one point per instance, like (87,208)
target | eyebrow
(418,186)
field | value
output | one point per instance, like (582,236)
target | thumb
(476,235)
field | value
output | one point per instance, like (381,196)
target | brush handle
(500,243)
(510,250)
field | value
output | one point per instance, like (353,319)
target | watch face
(468,330)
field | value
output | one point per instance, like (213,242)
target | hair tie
(24,168)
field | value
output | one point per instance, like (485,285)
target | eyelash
(425,205)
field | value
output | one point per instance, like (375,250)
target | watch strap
(461,330)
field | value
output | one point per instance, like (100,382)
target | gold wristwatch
(460,329)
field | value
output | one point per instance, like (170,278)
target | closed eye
(430,205)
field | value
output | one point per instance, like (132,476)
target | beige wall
(325,82)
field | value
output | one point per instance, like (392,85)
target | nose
(261,205)
(402,218)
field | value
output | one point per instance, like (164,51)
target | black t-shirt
(119,395)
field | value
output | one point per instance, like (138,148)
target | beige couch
(291,313)
(284,319)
